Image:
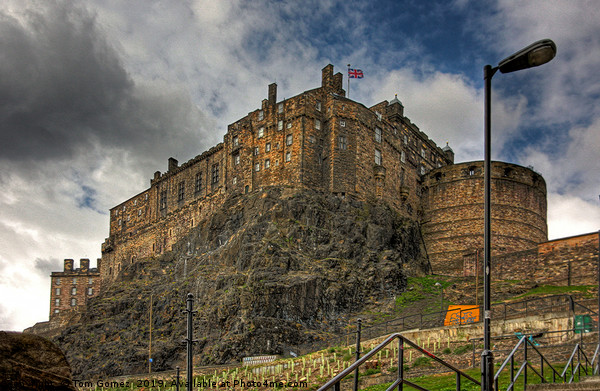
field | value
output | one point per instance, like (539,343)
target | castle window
(236,141)
(343,143)
(280,125)
(233,182)
(280,108)
(342,123)
(162,202)
(378,135)
(139,212)
(73,291)
(215,174)
(73,302)
(422,170)
(181,191)
(75,281)
(317,124)
(90,291)
(403,156)
(268,147)
(246,189)
(267,163)
(405,139)
(110,270)
(257,167)
(198,182)
(134,202)
(423,153)
(288,156)
(289,139)
(58,281)
(91,280)
(261,115)
(378,114)
(120,222)
(261,132)
(378,157)
(57,302)
(289,125)
(318,105)
(57,291)
(471,171)
(56,311)
(255,151)
(236,159)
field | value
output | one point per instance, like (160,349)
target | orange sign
(461,314)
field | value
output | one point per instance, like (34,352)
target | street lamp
(537,53)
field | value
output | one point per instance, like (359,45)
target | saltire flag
(355,73)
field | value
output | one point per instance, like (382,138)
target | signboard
(461,314)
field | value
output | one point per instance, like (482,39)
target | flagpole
(348,76)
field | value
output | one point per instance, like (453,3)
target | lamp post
(538,53)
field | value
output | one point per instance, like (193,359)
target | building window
(378,135)
(257,167)
(312,139)
(236,159)
(233,182)
(289,139)
(90,291)
(255,151)
(57,302)
(261,132)
(318,105)
(56,311)
(280,108)
(58,281)
(403,156)
(280,125)
(261,115)
(198,183)
(317,124)
(423,153)
(342,123)
(75,281)
(215,174)
(422,170)
(163,200)
(268,147)
(139,212)
(74,291)
(471,171)
(236,141)
(73,302)
(181,191)
(57,291)
(288,156)
(119,222)
(289,125)
(405,139)
(343,143)
(378,157)
(267,163)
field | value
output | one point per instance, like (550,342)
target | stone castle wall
(71,288)
(317,139)
(453,203)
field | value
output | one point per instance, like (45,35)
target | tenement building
(71,288)
(321,140)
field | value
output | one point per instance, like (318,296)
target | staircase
(591,383)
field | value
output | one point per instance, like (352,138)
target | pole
(477,277)
(487,359)
(348,77)
(189,340)
(177,385)
(150,344)
(358,327)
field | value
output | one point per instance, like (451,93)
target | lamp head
(537,53)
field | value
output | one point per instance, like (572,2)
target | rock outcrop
(270,271)
(29,362)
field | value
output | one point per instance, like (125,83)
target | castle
(324,141)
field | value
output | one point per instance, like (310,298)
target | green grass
(557,290)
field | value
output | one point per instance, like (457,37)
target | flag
(355,73)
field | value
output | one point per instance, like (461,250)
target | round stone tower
(453,214)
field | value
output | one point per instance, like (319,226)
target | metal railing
(335,383)
(578,362)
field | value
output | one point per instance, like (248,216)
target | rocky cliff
(270,271)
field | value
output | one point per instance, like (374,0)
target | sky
(96,95)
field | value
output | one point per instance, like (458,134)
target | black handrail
(335,382)
(577,362)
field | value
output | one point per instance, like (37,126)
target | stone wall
(453,212)
(71,288)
